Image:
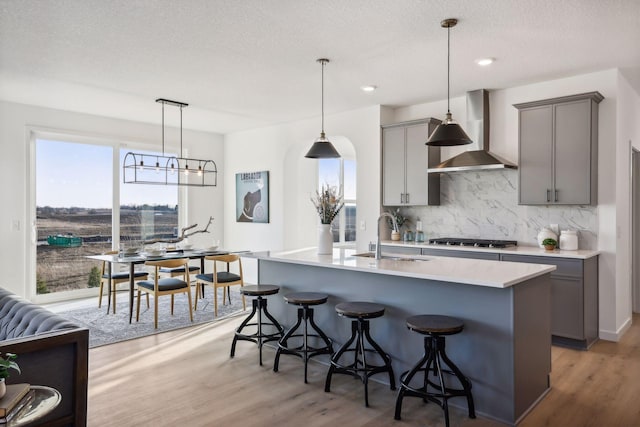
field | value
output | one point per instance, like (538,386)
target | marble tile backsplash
(484,204)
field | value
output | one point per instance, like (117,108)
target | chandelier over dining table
(166,169)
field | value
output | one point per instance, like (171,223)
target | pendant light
(448,133)
(322,148)
(146,168)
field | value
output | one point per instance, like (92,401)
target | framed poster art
(252,197)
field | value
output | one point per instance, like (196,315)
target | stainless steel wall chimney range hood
(478,130)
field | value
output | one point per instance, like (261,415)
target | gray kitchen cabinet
(405,159)
(558,150)
(574,290)
(574,298)
(461,254)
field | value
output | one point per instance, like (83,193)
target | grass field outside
(61,268)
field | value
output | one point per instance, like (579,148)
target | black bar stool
(361,312)
(305,313)
(435,328)
(259,307)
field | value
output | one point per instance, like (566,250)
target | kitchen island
(505,348)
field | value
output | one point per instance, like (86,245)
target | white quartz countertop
(512,250)
(496,274)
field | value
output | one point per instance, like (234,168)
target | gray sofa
(51,351)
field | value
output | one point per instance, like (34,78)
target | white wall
(293,178)
(15,122)
(627,119)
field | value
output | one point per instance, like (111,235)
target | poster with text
(252,197)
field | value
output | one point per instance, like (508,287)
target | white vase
(325,239)
(568,240)
(546,233)
(3,388)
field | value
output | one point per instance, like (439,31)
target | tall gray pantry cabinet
(405,159)
(558,150)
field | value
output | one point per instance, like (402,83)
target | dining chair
(221,279)
(165,285)
(117,278)
(180,271)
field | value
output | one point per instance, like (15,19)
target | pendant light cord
(181,131)
(322,95)
(163,128)
(448,66)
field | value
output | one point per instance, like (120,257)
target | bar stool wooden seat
(435,328)
(361,312)
(304,300)
(259,305)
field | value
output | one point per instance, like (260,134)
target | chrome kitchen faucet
(395,226)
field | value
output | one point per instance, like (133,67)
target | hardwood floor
(186,378)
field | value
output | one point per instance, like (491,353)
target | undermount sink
(392,258)
(366,255)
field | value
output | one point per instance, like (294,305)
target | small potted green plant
(400,220)
(7,362)
(549,244)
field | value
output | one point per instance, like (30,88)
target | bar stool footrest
(299,350)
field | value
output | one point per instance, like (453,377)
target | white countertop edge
(411,269)
(512,250)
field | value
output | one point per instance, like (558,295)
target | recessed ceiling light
(483,62)
(369,88)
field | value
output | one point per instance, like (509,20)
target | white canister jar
(546,233)
(569,240)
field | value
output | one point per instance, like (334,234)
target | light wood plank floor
(186,378)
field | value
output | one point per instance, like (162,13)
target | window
(73,212)
(341,173)
(147,211)
(77,186)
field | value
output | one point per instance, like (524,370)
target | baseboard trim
(615,336)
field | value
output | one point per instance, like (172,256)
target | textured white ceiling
(247,63)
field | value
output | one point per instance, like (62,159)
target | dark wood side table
(45,400)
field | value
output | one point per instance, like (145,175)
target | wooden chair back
(168,263)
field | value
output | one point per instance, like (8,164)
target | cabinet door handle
(548,195)
(556,196)
(406,197)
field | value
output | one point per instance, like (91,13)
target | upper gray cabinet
(405,159)
(558,141)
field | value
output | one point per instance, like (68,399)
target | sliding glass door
(83,208)
(73,213)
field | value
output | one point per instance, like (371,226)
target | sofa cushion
(20,318)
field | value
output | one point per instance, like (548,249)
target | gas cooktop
(480,243)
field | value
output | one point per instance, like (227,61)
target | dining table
(141,257)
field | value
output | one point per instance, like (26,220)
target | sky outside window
(81,175)
(329,173)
